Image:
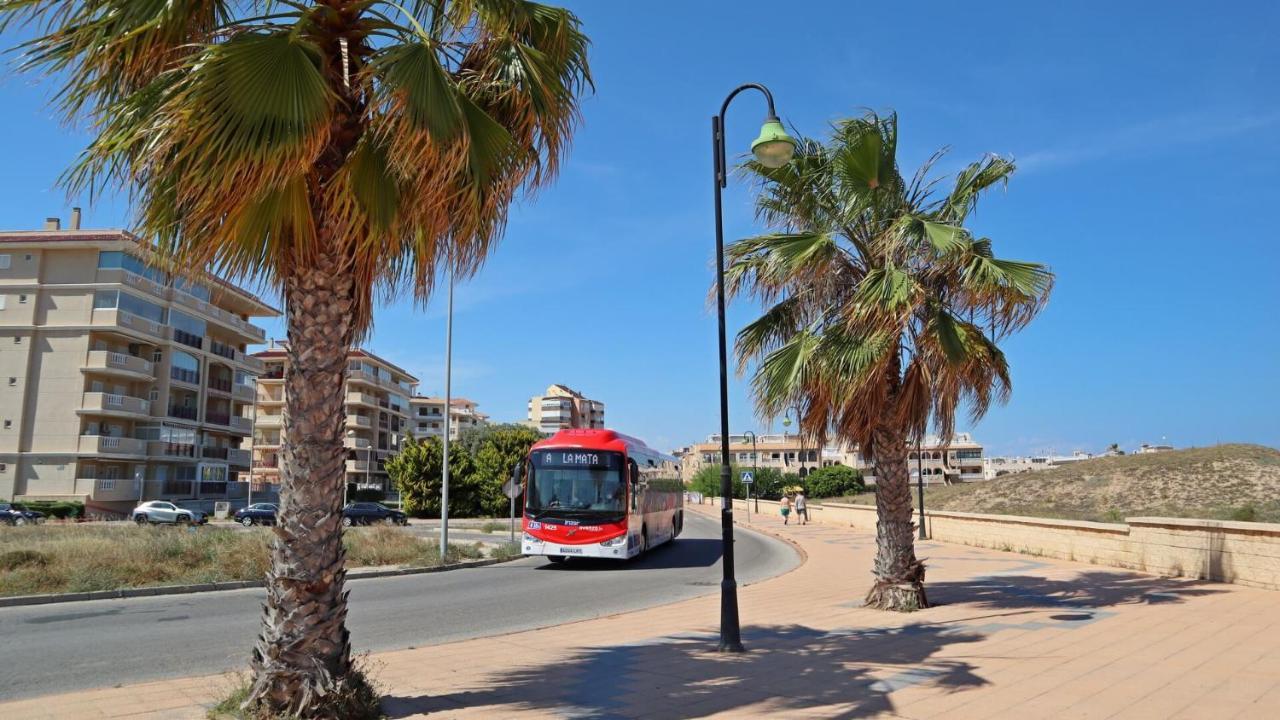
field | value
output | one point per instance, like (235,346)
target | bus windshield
(575,483)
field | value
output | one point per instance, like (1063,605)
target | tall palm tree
(883,312)
(336,149)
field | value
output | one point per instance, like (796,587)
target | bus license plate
(570,551)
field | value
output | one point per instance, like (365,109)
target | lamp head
(774,147)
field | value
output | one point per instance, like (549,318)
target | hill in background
(1222,482)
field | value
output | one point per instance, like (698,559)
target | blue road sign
(748,477)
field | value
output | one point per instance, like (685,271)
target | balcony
(105,445)
(266,420)
(188,377)
(361,466)
(359,398)
(112,318)
(124,277)
(183,413)
(221,385)
(255,365)
(222,349)
(357,443)
(238,457)
(361,421)
(121,364)
(188,339)
(241,425)
(162,448)
(112,404)
(242,392)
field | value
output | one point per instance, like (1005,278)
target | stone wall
(1237,552)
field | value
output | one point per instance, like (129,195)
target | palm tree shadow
(788,667)
(1085,591)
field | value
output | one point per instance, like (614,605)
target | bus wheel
(557,559)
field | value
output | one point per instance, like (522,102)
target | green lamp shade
(774,147)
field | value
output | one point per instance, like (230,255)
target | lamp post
(773,149)
(920,484)
(786,422)
(448,403)
(755,470)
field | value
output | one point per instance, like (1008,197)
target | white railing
(112,401)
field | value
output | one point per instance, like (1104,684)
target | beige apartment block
(428,416)
(563,407)
(120,381)
(377,419)
(958,460)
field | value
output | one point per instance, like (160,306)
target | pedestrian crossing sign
(748,477)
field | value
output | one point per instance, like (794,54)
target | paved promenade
(1011,636)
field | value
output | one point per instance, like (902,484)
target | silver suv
(160,511)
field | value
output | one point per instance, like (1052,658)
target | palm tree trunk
(302,660)
(899,575)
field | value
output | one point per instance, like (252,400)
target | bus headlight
(531,539)
(615,542)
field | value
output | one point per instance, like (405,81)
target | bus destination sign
(594,459)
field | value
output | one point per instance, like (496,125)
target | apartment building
(563,407)
(427,416)
(377,418)
(959,460)
(118,380)
(994,467)
(785,453)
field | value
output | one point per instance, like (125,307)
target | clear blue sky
(1149,152)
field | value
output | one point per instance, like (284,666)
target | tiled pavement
(1010,636)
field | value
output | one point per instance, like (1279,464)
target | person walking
(802,508)
(786,508)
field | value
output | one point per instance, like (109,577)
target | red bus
(599,494)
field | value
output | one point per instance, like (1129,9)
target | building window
(22,299)
(5,260)
(8,424)
(13,381)
(17,339)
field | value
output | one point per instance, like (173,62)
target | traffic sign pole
(748,479)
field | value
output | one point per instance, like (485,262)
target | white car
(161,511)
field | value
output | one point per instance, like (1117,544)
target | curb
(804,556)
(354,574)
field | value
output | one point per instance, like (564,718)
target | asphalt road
(46,649)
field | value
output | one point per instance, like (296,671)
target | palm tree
(882,312)
(335,149)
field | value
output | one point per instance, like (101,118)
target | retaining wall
(1236,552)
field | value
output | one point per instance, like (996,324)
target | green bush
(1245,513)
(14,559)
(61,510)
(768,485)
(832,482)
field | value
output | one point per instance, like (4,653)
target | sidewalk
(1011,636)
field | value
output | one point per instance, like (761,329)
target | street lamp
(755,470)
(448,406)
(773,148)
(786,422)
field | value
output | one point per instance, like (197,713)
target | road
(70,646)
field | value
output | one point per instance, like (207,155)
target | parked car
(161,511)
(257,514)
(18,514)
(367,513)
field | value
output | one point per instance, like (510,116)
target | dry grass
(69,558)
(1222,482)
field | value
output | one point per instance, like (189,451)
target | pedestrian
(786,508)
(802,508)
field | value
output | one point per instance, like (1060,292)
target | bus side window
(635,484)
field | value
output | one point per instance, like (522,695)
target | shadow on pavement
(1088,590)
(789,667)
(682,553)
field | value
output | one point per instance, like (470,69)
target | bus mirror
(515,474)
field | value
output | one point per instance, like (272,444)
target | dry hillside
(1222,482)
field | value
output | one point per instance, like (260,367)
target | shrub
(1245,513)
(834,481)
(14,559)
(61,510)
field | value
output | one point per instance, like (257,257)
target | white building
(427,417)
